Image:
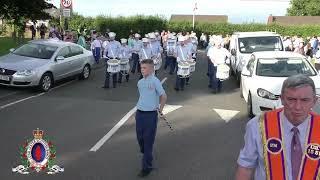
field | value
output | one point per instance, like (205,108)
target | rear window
(264,43)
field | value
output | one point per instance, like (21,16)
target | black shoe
(187,83)
(182,89)
(105,87)
(144,172)
(209,86)
(119,82)
(171,73)
(214,91)
(177,89)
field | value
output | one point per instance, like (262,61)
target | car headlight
(266,94)
(25,73)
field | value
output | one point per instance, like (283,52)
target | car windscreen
(284,67)
(255,44)
(33,50)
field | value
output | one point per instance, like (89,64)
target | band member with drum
(182,53)
(171,59)
(146,51)
(124,54)
(156,49)
(218,55)
(111,52)
(194,42)
(137,45)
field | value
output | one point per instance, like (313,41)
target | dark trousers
(215,83)
(120,77)
(146,127)
(97,54)
(173,64)
(167,62)
(180,82)
(114,78)
(136,64)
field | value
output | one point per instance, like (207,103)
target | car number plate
(4,78)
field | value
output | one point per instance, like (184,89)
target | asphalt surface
(77,114)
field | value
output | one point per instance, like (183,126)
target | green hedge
(144,24)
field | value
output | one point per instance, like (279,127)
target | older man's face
(297,103)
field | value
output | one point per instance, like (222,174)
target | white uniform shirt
(125,52)
(146,53)
(137,45)
(112,49)
(183,53)
(156,47)
(218,55)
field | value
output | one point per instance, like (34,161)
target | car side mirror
(233,52)
(60,58)
(245,72)
(12,49)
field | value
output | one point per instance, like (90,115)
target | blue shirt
(146,53)
(183,52)
(112,49)
(150,89)
(251,156)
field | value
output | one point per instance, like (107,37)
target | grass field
(6,43)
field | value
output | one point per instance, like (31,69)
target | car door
(246,81)
(78,59)
(62,68)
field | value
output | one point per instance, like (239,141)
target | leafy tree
(19,11)
(304,8)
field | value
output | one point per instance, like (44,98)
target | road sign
(66,3)
(66,12)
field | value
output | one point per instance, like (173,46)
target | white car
(243,44)
(263,76)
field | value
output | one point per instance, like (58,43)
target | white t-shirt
(218,55)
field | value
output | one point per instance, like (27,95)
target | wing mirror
(245,72)
(12,49)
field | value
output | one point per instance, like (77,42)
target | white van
(243,44)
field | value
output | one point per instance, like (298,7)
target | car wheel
(241,95)
(249,106)
(46,82)
(85,72)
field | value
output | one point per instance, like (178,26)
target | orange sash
(274,150)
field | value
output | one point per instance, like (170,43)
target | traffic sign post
(66,10)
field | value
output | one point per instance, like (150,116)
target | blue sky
(239,11)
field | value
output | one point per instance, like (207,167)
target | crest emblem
(274,145)
(2,71)
(38,155)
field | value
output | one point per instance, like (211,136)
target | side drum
(183,69)
(113,66)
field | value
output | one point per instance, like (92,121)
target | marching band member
(111,52)
(217,55)
(182,53)
(124,53)
(194,42)
(171,45)
(96,48)
(155,46)
(137,45)
(146,51)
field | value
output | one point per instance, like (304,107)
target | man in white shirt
(218,56)
(137,45)
(145,52)
(124,53)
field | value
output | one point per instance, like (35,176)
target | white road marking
(225,114)
(21,100)
(169,108)
(10,94)
(30,97)
(125,118)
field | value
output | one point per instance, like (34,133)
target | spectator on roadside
(315,44)
(300,49)
(308,50)
(33,31)
(43,30)
(81,40)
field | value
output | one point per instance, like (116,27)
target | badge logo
(313,151)
(38,155)
(274,145)
(3,71)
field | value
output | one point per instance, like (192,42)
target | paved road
(77,114)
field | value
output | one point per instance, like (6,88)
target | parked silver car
(42,62)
